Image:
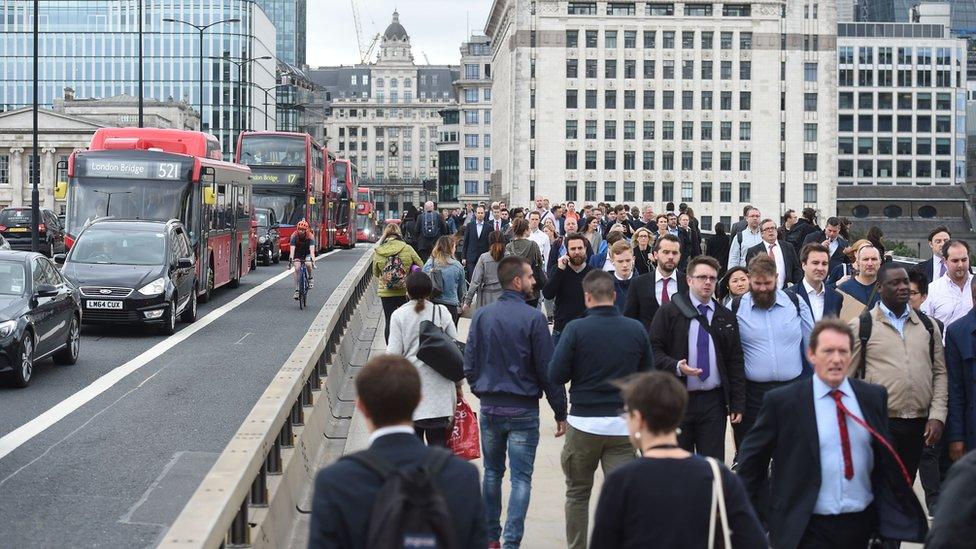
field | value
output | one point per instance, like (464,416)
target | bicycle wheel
(302,287)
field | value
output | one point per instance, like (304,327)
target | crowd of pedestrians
(843,374)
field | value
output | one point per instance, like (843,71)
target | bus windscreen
(272,150)
(123,199)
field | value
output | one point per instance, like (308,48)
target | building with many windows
(93,47)
(464,148)
(716,104)
(289,20)
(384,116)
(901,125)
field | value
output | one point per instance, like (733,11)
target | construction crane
(427,59)
(364,51)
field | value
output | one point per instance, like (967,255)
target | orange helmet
(302,225)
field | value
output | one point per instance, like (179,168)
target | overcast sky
(436,27)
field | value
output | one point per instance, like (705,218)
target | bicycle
(302,285)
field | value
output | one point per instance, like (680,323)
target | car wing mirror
(60,258)
(184,263)
(46,290)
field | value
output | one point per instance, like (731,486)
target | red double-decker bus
(162,174)
(344,191)
(288,170)
(366,228)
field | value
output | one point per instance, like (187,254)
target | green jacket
(388,249)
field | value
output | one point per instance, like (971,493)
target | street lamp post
(35,157)
(266,90)
(240,80)
(201,29)
(141,92)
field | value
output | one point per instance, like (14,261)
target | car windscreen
(15,216)
(118,247)
(13,278)
(262,218)
(288,208)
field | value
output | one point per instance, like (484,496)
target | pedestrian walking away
(392,260)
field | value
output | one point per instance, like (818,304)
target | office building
(289,20)
(962,12)
(714,104)
(384,116)
(901,126)
(92,47)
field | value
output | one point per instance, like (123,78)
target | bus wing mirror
(61,190)
(209,196)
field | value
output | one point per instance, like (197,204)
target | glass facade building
(92,47)
(288,17)
(962,14)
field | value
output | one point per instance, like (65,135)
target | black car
(15,226)
(134,272)
(269,245)
(40,315)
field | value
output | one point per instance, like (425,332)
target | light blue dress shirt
(897,321)
(773,339)
(714,378)
(837,494)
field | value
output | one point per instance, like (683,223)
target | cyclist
(302,246)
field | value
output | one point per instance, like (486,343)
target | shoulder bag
(717,510)
(439,350)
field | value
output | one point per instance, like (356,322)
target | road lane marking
(21,435)
(243,338)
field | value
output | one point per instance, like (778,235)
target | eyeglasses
(769,228)
(914,293)
(705,278)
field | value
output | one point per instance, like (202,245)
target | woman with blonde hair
(392,260)
(448,272)
(643,242)
(484,279)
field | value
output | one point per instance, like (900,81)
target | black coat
(786,432)
(925,268)
(669,340)
(642,303)
(424,243)
(554,254)
(955,519)
(718,246)
(644,260)
(690,246)
(474,245)
(345,491)
(838,257)
(833,301)
(794,274)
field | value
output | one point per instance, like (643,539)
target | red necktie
(771,254)
(498,225)
(665,298)
(846,443)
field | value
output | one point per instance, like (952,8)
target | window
(610,99)
(648,68)
(630,39)
(4,169)
(667,99)
(706,70)
(648,189)
(688,99)
(590,191)
(736,10)
(591,38)
(688,69)
(471,95)
(630,99)
(582,8)
(687,191)
(745,70)
(698,10)
(571,129)
(668,69)
(629,191)
(707,40)
(590,99)
(667,130)
(706,161)
(725,192)
(591,68)
(668,40)
(667,191)
(610,69)
(648,129)
(688,37)
(572,68)
(687,160)
(810,193)
(630,68)
(471,140)
(745,192)
(745,161)
(648,164)
(590,160)
(810,72)
(745,131)
(471,163)
(726,70)
(705,190)
(745,100)
(610,39)
(725,131)
(810,162)
(610,191)
(571,160)
(725,40)
(630,130)
(571,191)
(609,160)
(610,129)
(745,40)
(810,133)
(471,117)
(650,39)
(810,102)
(621,8)
(725,101)
(629,160)
(659,8)
(591,129)
(706,100)
(572,38)
(667,160)
(571,99)
(725,161)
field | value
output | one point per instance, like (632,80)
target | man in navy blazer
(960,354)
(823,300)
(934,267)
(388,391)
(475,240)
(830,236)
(834,483)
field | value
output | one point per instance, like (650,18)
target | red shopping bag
(464,440)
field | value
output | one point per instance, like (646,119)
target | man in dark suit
(475,240)
(649,291)
(934,267)
(388,391)
(830,237)
(836,481)
(787,265)
(707,357)
(822,299)
(960,352)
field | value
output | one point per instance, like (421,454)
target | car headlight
(7,328)
(263,239)
(155,287)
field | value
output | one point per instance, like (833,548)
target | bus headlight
(155,287)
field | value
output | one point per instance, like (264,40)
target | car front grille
(110,316)
(99,291)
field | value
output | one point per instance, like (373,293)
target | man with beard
(774,328)
(559,245)
(506,363)
(565,284)
(656,288)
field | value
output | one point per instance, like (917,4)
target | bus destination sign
(278,177)
(130,169)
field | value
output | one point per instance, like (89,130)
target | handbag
(439,350)
(436,281)
(464,439)
(717,509)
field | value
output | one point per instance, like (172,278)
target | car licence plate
(90,304)
(18,229)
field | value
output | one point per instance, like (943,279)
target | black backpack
(865,326)
(409,511)
(430,225)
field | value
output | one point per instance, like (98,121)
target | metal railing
(235,497)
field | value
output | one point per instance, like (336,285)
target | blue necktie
(704,361)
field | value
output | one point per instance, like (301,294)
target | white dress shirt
(542,239)
(937,263)
(832,246)
(816,299)
(947,301)
(659,285)
(780,262)
(393,429)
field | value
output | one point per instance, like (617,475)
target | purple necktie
(941,268)
(704,362)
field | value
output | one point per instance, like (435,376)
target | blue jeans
(520,436)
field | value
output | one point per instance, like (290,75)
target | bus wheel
(208,290)
(235,282)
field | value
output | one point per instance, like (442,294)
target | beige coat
(916,387)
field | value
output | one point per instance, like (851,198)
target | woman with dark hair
(592,232)
(717,246)
(408,224)
(439,394)
(484,279)
(522,246)
(667,495)
(451,273)
(734,284)
(876,237)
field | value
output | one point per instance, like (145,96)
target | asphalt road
(117,471)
